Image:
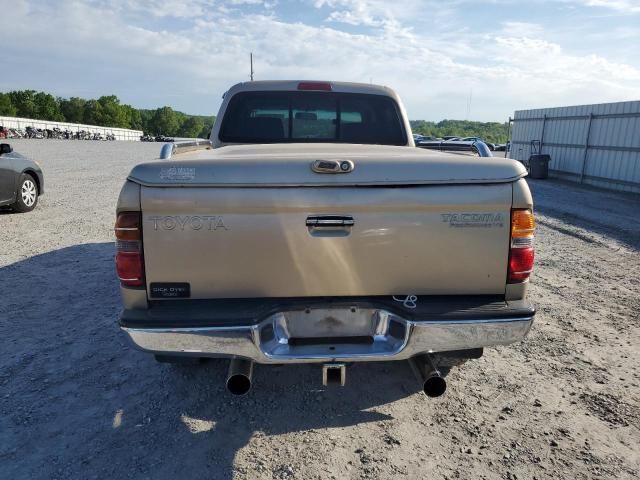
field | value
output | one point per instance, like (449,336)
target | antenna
(251,60)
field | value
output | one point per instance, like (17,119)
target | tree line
(494,132)
(106,111)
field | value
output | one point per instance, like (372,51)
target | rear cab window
(298,117)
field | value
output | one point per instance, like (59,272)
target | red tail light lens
(521,254)
(130,269)
(129,258)
(520,264)
(317,86)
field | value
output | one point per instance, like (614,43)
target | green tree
(92,113)
(24,101)
(206,131)
(105,111)
(191,127)
(47,107)
(73,109)
(6,106)
(146,116)
(112,114)
(491,131)
(164,122)
(134,117)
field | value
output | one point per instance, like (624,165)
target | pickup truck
(307,230)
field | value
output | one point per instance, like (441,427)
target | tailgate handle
(330,221)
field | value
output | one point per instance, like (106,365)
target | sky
(455,59)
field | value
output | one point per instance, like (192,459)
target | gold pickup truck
(308,228)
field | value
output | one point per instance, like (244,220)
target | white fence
(23,123)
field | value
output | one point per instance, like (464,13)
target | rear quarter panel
(129,201)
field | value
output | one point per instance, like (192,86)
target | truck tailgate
(239,242)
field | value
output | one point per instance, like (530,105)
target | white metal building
(119,133)
(594,144)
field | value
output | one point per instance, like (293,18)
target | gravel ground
(76,401)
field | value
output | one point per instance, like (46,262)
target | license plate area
(332,333)
(328,322)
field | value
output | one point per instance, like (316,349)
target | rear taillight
(129,259)
(521,254)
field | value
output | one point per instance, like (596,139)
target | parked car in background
(465,143)
(419,137)
(21,180)
(491,145)
(501,147)
(433,143)
(428,141)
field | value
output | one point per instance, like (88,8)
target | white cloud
(629,6)
(357,12)
(155,8)
(246,2)
(522,29)
(373,13)
(190,66)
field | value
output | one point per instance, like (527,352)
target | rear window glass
(286,117)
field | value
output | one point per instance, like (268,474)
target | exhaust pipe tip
(434,386)
(239,377)
(425,370)
(238,384)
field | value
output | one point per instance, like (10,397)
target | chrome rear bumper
(277,338)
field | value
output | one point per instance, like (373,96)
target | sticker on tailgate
(170,290)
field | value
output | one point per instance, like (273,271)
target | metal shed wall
(119,133)
(595,144)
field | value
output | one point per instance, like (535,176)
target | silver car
(21,180)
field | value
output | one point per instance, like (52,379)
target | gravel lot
(76,401)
